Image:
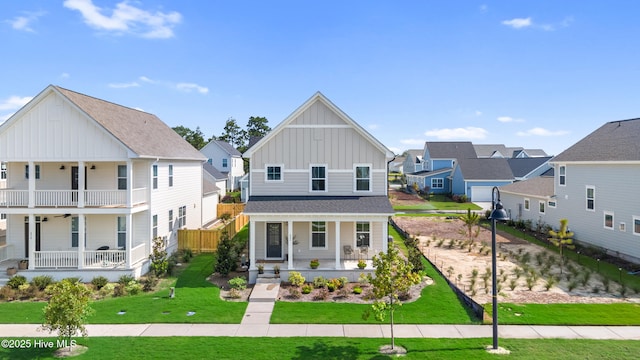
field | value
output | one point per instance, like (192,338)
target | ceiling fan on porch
(63,216)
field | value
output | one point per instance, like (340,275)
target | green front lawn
(332,348)
(567,314)
(193,294)
(439,202)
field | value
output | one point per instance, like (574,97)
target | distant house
(527,168)
(227,159)
(90,183)
(317,190)
(593,186)
(413,162)
(501,151)
(397,165)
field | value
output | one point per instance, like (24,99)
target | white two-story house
(90,183)
(226,159)
(317,190)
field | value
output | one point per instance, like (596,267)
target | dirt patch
(399,197)
(445,244)
(225,289)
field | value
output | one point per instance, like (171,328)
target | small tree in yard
(393,276)
(470,220)
(227,257)
(159,262)
(67,309)
(562,238)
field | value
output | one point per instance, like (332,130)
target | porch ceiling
(378,205)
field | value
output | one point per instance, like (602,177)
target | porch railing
(139,196)
(56,197)
(104,258)
(14,197)
(56,259)
(5,253)
(105,197)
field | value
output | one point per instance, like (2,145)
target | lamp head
(499,213)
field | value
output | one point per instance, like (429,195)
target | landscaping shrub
(319,282)
(7,293)
(227,255)
(16,281)
(294,293)
(159,262)
(107,290)
(357,290)
(296,279)
(133,288)
(322,294)
(149,283)
(73,279)
(306,289)
(238,283)
(99,282)
(119,290)
(41,282)
(125,279)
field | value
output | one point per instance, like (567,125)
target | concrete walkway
(356,331)
(261,302)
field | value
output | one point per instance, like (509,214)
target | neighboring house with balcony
(226,159)
(90,183)
(413,161)
(594,186)
(317,190)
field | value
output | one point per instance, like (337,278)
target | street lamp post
(497,214)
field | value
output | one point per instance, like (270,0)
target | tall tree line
(257,127)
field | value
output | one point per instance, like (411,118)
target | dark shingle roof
(538,186)
(318,205)
(213,171)
(485,169)
(451,150)
(613,141)
(523,166)
(208,187)
(143,133)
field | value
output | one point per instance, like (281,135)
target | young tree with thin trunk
(394,276)
(562,239)
(470,220)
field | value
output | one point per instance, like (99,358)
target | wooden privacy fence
(200,241)
(232,209)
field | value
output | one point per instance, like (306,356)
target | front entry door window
(26,235)
(274,240)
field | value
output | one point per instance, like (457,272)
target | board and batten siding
(616,191)
(55,130)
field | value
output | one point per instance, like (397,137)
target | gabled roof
(450,150)
(415,155)
(488,150)
(522,166)
(319,97)
(485,169)
(532,153)
(226,147)
(429,173)
(541,186)
(208,186)
(143,134)
(613,141)
(215,173)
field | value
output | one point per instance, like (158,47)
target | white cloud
(484,8)
(412,142)
(373,126)
(127,19)
(146,79)
(478,113)
(469,132)
(518,23)
(538,131)
(508,119)
(189,87)
(65,75)
(124,85)
(14,103)
(23,23)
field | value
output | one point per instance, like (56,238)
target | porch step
(264,292)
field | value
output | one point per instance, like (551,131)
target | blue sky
(537,74)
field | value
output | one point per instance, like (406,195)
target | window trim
(635,218)
(562,178)
(622,226)
(26,171)
(266,172)
(154,226)
(438,187)
(324,232)
(541,207)
(312,179)
(154,176)
(526,204)
(225,162)
(170,175)
(552,204)
(355,177)
(593,199)
(367,231)
(604,220)
(119,232)
(119,178)
(170,220)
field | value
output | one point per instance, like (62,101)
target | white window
(122,232)
(3,216)
(318,235)
(363,234)
(3,170)
(26,171)
(75,231)
(225,162)
(170,175)
(552,203)
(541,207)
(636,225)
(562,175)
(622,227)
(122,177)
(608,220)
(363,178)
(591,198)
(274,173)
(527,204)
(170,220)
(182,216)
(437,183)
(318,178)
(155,226)
(155,176)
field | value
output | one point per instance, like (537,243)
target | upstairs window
(182,216)
(171,220)
(591,198)
(26,171)
(274,173)
(155,226)
(318,178)
(155,176)
(122,177)
(562,175)
(170,175)
(363,178)
(225,163)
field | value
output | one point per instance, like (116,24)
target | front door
(26,235)
(74,182)
(274,240)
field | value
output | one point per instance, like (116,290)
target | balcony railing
(69,198)
(91,259)
(104,258)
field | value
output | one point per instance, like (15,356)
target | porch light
(497,214)
(93,167)
(61,167)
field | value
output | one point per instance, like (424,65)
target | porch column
(32,237)
(129,239)
(32,190)
(129,183)
(81,232)
(338,265)
(81,185)
(385,236)
(290,244)
(252,245)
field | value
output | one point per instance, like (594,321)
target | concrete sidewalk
(355,331)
